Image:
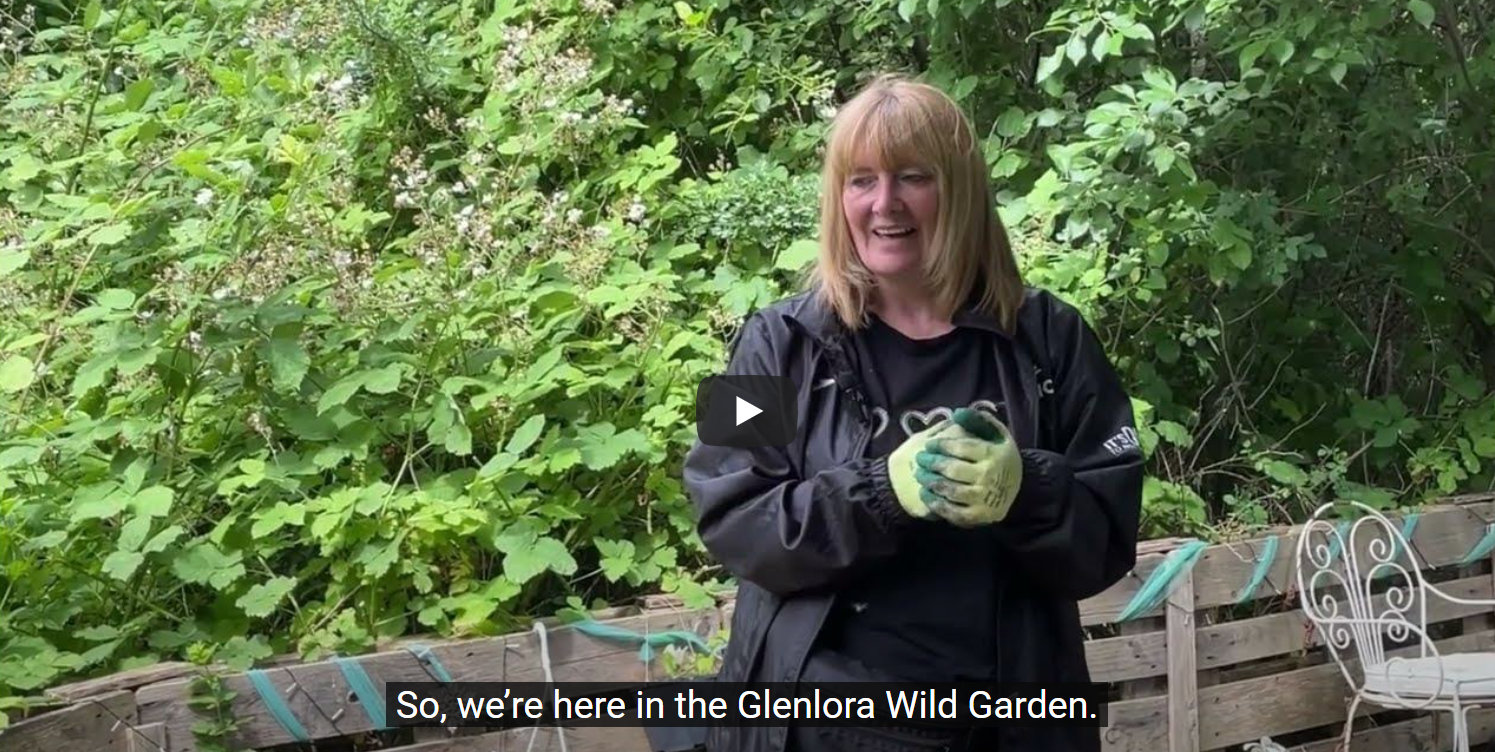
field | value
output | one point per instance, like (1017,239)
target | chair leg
(1460,729)
(1349,726)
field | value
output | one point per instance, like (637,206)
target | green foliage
(213,701)
(328,322)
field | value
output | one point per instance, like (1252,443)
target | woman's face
(891,215)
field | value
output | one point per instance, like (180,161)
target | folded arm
(780,531)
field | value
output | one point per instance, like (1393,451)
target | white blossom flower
(204,197)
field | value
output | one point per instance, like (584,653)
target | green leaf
(1422,11)
(262,600)
(91,14)
(1168,350)
(1049,65)
(1281,50)
(524,564)
(459,440)
(97,502)
(1285,473)
(617,558)
(1251,52)
(798,255)
(13,260)
(1102,45)
(110,234)
(278,516)
(16,373)
(1012,123)
(121,565)
(205,564)
(1484,446)
(383,380)
(116,299)
(601,448)
(1173,433)
(288,361)
(133,533)
(525,435)
(138,93)
(1077,47)
(339,392)
(1337,71)
(906,9)
(153,502)
(163,539)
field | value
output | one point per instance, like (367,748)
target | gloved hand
(902,467)
(971,477)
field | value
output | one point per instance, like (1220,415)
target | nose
(887,200)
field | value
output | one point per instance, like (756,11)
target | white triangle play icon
(745,411)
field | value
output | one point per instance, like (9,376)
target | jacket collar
(810,311)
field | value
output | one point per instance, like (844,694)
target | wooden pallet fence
(1269,674)
(1191,674)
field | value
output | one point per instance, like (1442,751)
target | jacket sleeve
(782,532)
(1073,529)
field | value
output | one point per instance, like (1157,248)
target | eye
(862,181)
(915,178)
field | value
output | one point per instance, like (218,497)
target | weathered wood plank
(1183,691)
(1247,710)
(88,726)
(324,692)
(132,679)
(1130,656)
(1444,534)
(1280,634)
(148,738)
(546,739)
(1430,733)
(1143,655)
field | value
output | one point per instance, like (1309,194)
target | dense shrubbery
(326,322)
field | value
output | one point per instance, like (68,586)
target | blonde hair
(906,124)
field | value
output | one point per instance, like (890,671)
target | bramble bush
(331,321)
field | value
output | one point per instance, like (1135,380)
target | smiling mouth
(893,232)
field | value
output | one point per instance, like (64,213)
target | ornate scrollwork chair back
(1361,585)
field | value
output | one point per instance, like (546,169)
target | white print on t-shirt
(914,421)
(1122,442)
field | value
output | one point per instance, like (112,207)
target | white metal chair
(1360,597)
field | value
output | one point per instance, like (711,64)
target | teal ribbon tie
(363,688)
(270,696)
(647,643)
(1163,579)
(1409,526)
(423,654)
(1482,548)
(1263,565)
(1344,532)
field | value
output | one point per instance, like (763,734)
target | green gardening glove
(972,477)
(902,467)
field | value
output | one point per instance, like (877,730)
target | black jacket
(793,523)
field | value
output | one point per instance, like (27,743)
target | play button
(746,411)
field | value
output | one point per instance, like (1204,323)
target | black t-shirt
(928,614)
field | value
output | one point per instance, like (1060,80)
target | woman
(965,469)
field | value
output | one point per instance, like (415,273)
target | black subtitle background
(446,696)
